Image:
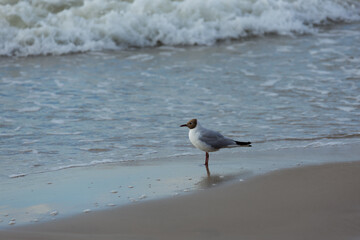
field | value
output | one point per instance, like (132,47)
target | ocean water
(42,27)
(84,83)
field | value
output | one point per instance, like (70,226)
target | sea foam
(43,27)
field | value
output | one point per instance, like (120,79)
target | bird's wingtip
(244,144)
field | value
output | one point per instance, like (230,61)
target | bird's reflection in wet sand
(211,180)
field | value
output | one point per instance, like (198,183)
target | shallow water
(84,109)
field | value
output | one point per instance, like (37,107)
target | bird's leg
(208,171)
(206,158)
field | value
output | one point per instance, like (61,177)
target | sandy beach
(92,94)
(313,202)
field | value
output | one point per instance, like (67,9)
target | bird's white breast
(194,136)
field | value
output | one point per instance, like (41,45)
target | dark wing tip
(244,144)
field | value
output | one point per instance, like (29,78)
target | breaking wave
(41,27)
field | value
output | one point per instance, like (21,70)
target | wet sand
(313,202)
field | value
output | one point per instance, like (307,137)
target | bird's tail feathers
(243,144)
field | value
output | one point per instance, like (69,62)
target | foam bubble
(54,213)
(142,197)
(58,121)
(270,83)
(17,175)
(141,57)
(12,222)
(346,109)
(29,109)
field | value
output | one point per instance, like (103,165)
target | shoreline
(311,202)
(37,199)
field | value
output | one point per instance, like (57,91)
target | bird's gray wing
(215,139)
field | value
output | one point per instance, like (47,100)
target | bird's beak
(184,125)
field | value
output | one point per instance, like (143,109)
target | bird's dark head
(190,124)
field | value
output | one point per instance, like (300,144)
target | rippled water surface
(83,109)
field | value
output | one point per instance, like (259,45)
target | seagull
(209,140)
